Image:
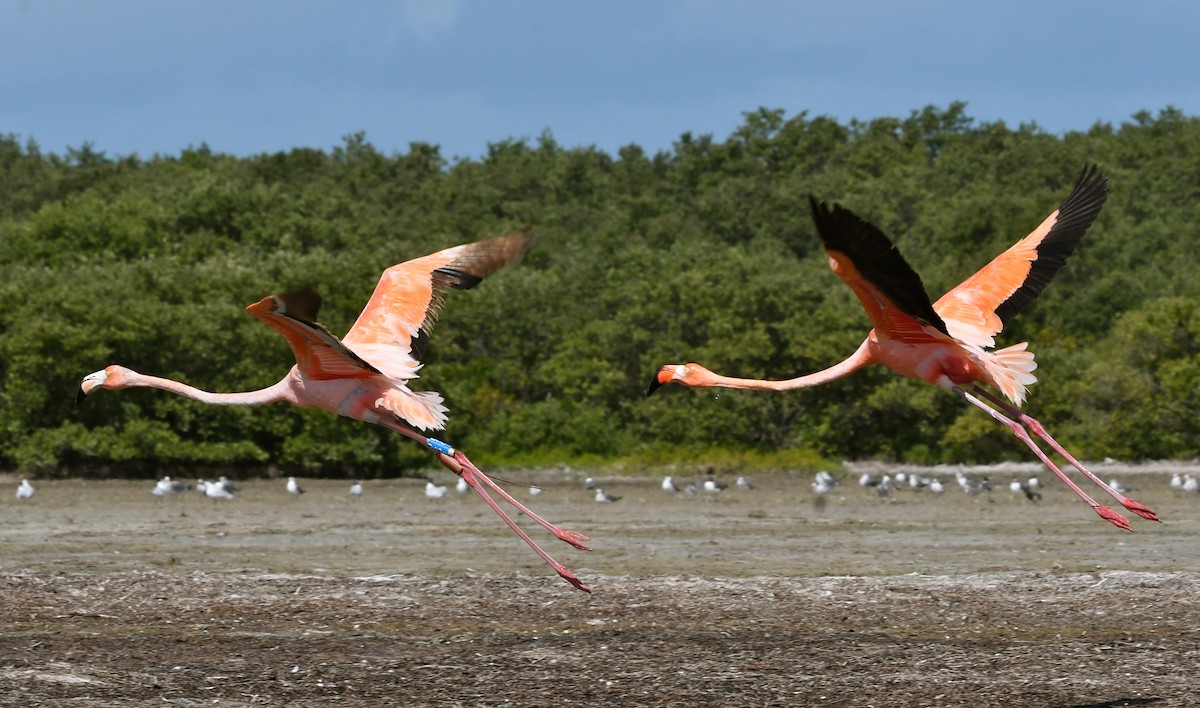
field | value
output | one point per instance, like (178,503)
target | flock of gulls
(823,484)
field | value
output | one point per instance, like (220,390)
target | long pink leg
(472,476)
(1036,427)
(1017,429)
(574,538)
(459,464)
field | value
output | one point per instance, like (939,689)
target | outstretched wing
(889,289)
(319,354)
(393,328)
(979,307)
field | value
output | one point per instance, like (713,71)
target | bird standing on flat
(294,487)
(365,375)
(435,491)
(948,343)
(215,490)
(24,490)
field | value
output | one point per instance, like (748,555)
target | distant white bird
(461,485)
(215,490)
(1015,486)
(826,479)
(822,485)
(668,485)
(743,484)
(1190,484)
(167,486)
(221,485)
(1034,483)
(534,491)
(970,486)
(885,486)
(589,483)
(603,498)
(916,481)
(712,485)
(1122,488)
(24,490)
(294,487)
(356,490)
(900,478)
(435,491)
(866,480)
(1176,481)
(936,486)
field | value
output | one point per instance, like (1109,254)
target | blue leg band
(439,446)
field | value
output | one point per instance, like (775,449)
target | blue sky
(247,76)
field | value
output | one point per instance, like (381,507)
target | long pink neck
(281,391)
(860,358)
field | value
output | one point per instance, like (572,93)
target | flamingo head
(691,375)
(110,377)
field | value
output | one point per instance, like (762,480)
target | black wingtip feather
(458,278)
(1075,216)
(876,258)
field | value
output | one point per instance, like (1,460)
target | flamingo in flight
(364,375)
(948,343)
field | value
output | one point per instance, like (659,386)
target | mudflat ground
(110,597)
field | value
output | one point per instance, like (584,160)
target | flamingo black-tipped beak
(664,375)
(90,382)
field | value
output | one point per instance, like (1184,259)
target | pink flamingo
(364,375)
(948,343)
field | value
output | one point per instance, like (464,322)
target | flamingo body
(948,343)
(365,375)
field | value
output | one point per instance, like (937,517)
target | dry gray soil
(767,597)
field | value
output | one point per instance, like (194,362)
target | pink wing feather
(400,312)
(407,299)
(978,308)
(319,354)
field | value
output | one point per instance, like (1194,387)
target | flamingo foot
(568,576)
(574,538)
(1113,517)
(1141,510)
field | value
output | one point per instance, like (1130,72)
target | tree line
(704,252)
